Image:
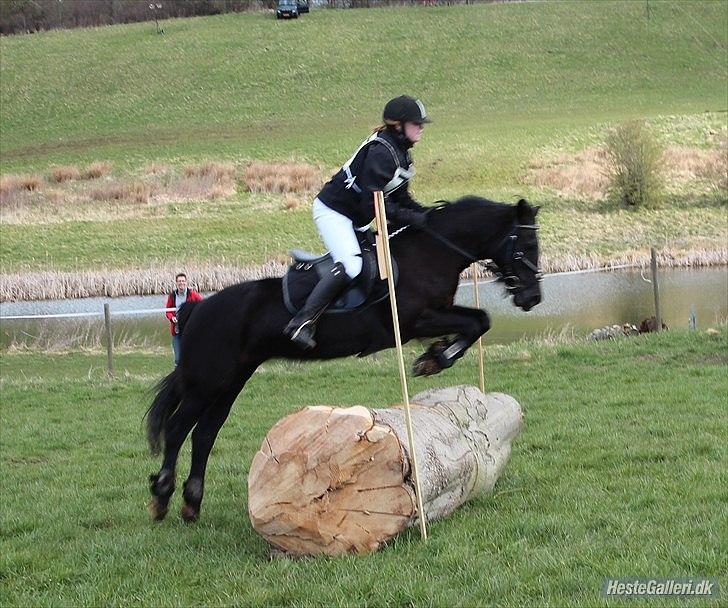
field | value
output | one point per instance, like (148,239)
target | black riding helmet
(405,109)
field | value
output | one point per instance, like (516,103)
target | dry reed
(196,186)
(70,200)
(291,202)
(286,177)
(63,174)
(11,182)
(138,192)
(56,284)
(97,169)
(586,174)
(685,164)
(218,171)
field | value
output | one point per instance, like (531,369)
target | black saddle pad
(307,269)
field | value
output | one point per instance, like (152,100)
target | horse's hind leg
(203,438)
(176,429)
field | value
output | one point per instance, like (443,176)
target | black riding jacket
(382,162)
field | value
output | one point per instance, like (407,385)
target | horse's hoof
(437,347)
(189,514)
(426,365)
(156,510)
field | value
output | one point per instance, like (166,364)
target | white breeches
(337,233)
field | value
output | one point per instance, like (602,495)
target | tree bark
(330,480)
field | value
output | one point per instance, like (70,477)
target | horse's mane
(446,211)
(469,202)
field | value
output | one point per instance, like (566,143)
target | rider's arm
(378,170)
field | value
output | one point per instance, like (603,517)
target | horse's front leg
(468,324)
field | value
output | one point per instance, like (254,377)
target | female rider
(346,203)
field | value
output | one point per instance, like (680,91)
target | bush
(635,170)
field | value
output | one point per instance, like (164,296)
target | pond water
(576,302)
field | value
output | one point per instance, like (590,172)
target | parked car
(302,6)
(287,9)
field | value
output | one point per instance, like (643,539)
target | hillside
(509,86)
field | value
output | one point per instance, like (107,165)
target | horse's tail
(167,400)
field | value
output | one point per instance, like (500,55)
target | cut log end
(331,481)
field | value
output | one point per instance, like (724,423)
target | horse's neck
(431,255)
(479,238)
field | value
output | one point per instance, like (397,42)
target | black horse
(227,336)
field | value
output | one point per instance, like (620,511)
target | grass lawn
(620,471)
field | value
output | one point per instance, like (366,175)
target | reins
(509,241)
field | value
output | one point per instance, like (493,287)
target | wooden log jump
(332,481)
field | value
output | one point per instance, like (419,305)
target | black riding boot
(302,327)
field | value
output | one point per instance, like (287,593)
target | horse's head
(516,258)
(476,228)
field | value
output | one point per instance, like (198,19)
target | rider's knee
(352,266)
(484,322)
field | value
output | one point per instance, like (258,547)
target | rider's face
(413,131)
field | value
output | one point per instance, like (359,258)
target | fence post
(109,339)
(655,289)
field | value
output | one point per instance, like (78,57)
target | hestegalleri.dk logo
(659,587)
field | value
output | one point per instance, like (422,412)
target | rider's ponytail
(387,124)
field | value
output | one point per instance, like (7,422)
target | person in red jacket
(174,300)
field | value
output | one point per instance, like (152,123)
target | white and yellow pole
(474,268)
(385,271)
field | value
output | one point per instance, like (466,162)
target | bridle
(506,273)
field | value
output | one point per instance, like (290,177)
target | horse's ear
(524,211)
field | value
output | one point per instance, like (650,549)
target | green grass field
(619,471)
(505,84)
(245,85)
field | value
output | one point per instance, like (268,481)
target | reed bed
(55,284)
(63,174)
(97,169)
(286,177)
(28,199)
(12,182)
(135,192)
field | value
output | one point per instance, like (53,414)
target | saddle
(308,268)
